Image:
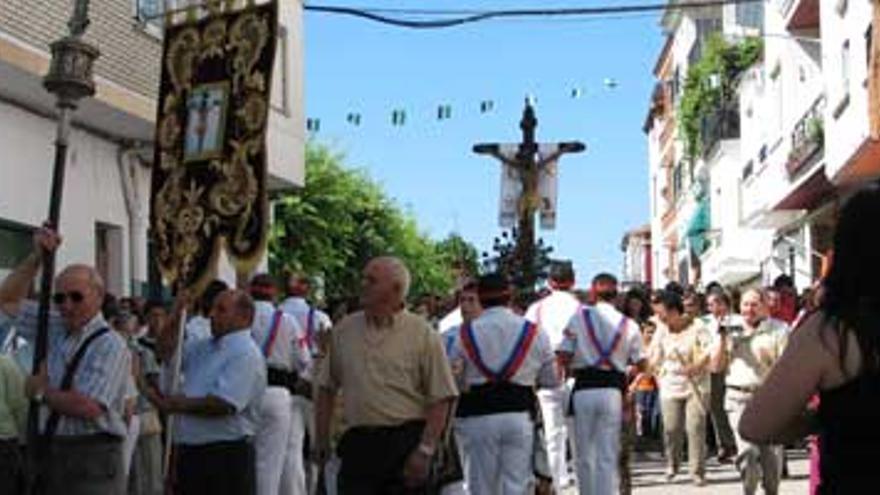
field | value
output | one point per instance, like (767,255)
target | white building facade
(105,212)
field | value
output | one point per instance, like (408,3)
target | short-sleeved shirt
(753,355)
(607,322)
(389,380)
(102,374)
(673,352)
(495,336)
(232,369)
(553,313)
(197,328)
(287,350)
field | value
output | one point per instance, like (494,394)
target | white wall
(92,192)
(850,128)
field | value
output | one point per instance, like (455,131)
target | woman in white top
(680,358)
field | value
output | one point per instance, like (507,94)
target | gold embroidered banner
(209,174)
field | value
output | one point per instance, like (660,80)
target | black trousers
(373,459)
(11,467)
(220,468)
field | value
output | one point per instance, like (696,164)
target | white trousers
(272,439)
(554,403)
(293,478)
(130,442)
(597,420)
(498,453)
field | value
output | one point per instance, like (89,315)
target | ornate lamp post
(70,80)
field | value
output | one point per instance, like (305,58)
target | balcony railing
(807,138)
(719,125)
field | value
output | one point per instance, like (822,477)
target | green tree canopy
(341,219)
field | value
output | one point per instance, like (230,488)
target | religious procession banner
(548,184)
(209,174)
(511,187)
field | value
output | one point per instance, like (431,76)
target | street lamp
(70,79)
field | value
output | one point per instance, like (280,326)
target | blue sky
(427,165)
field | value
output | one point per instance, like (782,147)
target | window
(15,245)
(677,181)
(844,66)
(750,14)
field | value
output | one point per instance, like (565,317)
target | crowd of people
(255,390)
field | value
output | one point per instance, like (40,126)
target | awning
(809,193)
(699,227)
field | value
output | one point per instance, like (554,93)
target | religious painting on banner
(548,181)
(511,187)
(209,174)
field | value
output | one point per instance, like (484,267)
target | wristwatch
(427,450)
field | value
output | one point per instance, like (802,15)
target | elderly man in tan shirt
(397,389)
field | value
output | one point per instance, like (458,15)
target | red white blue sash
(513,363)
(273,333)
(605,353)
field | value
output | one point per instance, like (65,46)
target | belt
(745,390)
(592,378)
(213,446)
(277,377)
(496,398)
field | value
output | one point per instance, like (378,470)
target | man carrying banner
(218,408)
(504,358)
(552,314)
(82,386)
(278,336)
(599,344)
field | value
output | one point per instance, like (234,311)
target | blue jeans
(649,412)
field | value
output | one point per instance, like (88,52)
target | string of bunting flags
(398,117)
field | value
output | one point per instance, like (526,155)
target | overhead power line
(378,14)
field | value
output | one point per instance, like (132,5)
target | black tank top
(849,416)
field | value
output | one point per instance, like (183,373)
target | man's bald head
(385,285)
(233,310)
(79,294)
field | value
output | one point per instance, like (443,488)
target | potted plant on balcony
(808,146)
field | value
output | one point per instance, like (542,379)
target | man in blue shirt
(216,414)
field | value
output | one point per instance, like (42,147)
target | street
(649,479)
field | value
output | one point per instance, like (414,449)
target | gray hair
(399,273)
(90,272)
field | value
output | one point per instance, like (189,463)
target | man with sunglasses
(81,387)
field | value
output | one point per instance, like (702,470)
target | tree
(340,220)
(518,270)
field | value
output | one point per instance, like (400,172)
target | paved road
(649,479)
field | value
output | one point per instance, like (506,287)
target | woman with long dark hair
(837,353)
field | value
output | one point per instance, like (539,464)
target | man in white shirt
(552,314)
(599,344)
(315,325)
(279,338)
(504,358)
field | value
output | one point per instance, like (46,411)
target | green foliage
(341,219)
(711,82)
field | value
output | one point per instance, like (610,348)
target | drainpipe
(128,159)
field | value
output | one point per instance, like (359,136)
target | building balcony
(807,139)
(720,125)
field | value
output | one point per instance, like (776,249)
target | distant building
(636,247)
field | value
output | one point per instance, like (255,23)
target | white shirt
(299,308)
(672,352)
(232,369)
(496,333)
(606,322)
(552,313)
(288,350)
(453,319)
(198,327)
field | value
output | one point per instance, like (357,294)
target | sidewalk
(649,478)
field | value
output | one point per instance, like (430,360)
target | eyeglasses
(75,297)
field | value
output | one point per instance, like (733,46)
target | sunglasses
(75,297)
